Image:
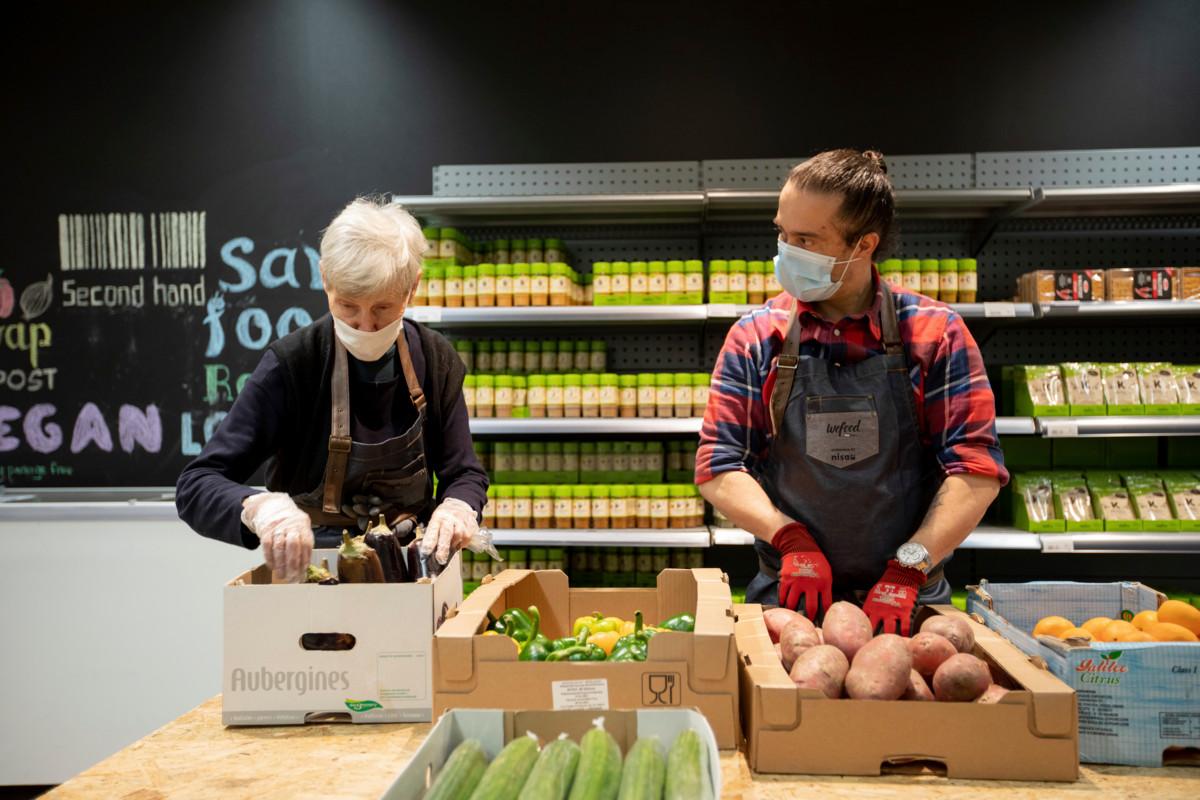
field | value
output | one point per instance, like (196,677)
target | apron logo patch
(844,429)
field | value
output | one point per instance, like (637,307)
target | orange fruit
(1052,626)
(1076,633)
(1136,636)
(1170,632)
(1180,613)
(1114,629)
(1095,625)
(1144,618)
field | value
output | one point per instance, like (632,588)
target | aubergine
(358,563)
(379,537)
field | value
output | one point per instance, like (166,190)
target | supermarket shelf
(739,204)
(590,425)
(647,207)
(1140,309)
(995,311)
(1016,426)
(985,537)
(559,315)
(1072,427)
(1147,542)
(1177,198)
(631,537)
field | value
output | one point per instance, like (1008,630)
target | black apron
(847,461)
(393,471)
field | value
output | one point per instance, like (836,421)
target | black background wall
(269,116)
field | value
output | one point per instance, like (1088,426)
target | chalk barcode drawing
(121,241)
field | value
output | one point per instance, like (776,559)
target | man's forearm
(959,504)
(739,497)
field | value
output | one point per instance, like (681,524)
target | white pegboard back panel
(1060,168)
(507,180)
(949,171)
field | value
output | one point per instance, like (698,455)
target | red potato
(917,688)
(823,668)
(777,619)
(992,694)
(961,679)
(928,651)
(953,628)
(880,670)
(798,636)
(847,628)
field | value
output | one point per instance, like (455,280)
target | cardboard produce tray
(682,670)
(1031,734)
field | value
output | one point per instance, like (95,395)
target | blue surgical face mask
(808,276)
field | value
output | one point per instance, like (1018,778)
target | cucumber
(552,774)
(687,772)
(460,774)
(599,773)
(506,775)
(644,771)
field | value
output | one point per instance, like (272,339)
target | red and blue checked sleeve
(959,407)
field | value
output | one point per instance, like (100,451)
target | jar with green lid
(556,557)
(483,452)
(571,460)
(589,403)
(503,397)
(646,394)
(501,252)
(485,287)
(662,559)
(502,464)
(620,463)
(543,509)
(612,566)
(639,283)
(627,569)
(522,283)
(548,361)
(597,356)
(642,505)
(738,280)
(520,396)
(656,461)
(539,284)
(537,555)
(469,393)
(470,290)
(679,510)
(604,463)
(587,462)
(583,355)
(968,280)
(516,355)
(718,281)
(602,284)
(930,277)
(577,558)
(447,238)
(566,356)
(620,283)
(583,292)
(660,507)
(683,394)
(432,235)
(562,507)
(581,507)
(693,282)
(676,288)
(520,461)
(658,283)
(596,564)
(610,395)
(637,462)
(534,252)
(485,396)
(697,519)
(504,506)
(536,397)
(435,286)
(756,283)
(600,503)
(537,461)
(555,251)
(554,462)
(483,253)
(892,271)
(483,355)
(620,512)
(773,286)
(504,285)
(554,396)
(674,459)
(572,396)
(517,254)
(664,395)
(627,400)
(499,355)
(948,280)
(522,506)
(466,353)
(421,297)
(560,285)
(910,275)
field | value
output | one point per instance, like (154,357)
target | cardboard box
(1031,734)
(493,729)
(270,678)
(1137,700)
(682,670)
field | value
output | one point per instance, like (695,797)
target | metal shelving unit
(588,425)
(633,537)
(1072,427)
(1124,309)
(985,537)
(1111,542)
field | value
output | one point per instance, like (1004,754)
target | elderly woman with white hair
(353,415)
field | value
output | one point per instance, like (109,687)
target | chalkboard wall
(170,166)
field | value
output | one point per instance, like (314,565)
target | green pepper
(583,652)
(571,641)
(685,623)
(536,647)
(640,636)
(520,623)
(635,651)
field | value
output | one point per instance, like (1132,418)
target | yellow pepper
(598,623)
(605,641)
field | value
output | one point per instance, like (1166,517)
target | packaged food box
(357,652)
(1083,388)
(1187,384)
(1112,501)
(1159,388)
(1183,494)
(1141,283)
(1151,502)
(1122,389)
(494,728)
(1030,734)
(681,670)
(1038,391)
(1073,503)
(1033,503)
(1139,702)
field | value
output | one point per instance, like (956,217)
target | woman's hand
(285,533)
(453,524)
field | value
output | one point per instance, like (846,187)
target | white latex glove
(452,525)
(285,533)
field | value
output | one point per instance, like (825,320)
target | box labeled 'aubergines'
(1139,702)
(1030,734)
(681,670)
(357,652)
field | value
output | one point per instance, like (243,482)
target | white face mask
(368,346)
(808,276)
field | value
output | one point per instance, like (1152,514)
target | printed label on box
(1179,725)
(580,694)
(403,676)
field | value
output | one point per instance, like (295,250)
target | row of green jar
(588,566)
(450,243)
(620,283)
(951,280)
(503,286)
(587,462)
(605,395)
(532,355)
(595,507)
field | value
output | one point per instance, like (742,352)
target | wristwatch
(915,556)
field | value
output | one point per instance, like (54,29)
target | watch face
(911,554)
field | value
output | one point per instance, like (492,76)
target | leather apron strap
(785,370)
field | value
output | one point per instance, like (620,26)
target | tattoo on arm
(938,499)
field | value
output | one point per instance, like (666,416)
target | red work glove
(892,603)
(805,579)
